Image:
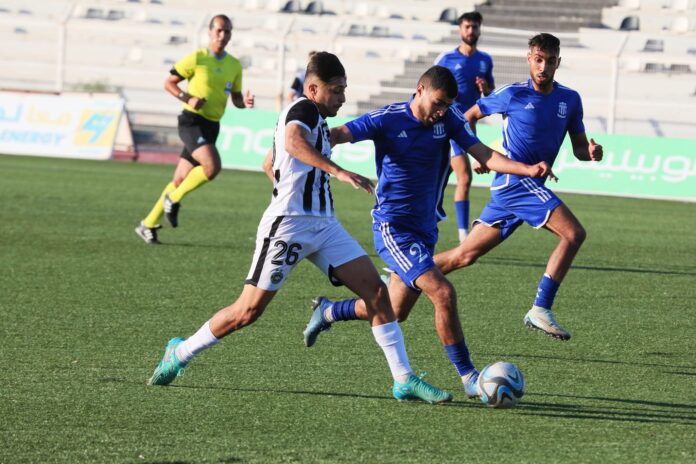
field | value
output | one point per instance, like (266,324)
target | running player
(212,75)
(412,156)
(538,113)
(473,70)
(300,223)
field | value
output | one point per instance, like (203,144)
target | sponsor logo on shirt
(402,135)
(562,110)
(457,66)
(529,106)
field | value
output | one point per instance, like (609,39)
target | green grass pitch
(87,309)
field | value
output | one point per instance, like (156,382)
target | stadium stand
(129,45)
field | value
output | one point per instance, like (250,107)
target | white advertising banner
(70,126)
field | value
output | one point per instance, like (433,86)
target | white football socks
(196,343)
(390,338)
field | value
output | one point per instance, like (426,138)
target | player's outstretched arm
(497,162)
(297,146)
(340,135)
(584,150)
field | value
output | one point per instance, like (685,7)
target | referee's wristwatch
(181,96)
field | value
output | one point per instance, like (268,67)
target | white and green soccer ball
(501,385)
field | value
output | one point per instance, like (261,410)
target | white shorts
(283,241)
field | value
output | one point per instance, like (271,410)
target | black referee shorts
(196,131)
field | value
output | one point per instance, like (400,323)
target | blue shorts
(406,253)
(456,150)
(525,201)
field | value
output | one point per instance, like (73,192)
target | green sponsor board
(649,167)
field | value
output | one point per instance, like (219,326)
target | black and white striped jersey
(300,189)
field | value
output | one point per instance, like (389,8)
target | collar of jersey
(217,57)
(408,109)
(531,87)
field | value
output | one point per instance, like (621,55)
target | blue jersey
(465,70)
(412,162)
(534,124)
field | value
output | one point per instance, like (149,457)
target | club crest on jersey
(482,66)
(276,276)
(439,130)
(228,87)
(562,110)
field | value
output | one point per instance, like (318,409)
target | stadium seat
(630,23)
(654,45)
(292,6)
(448,15)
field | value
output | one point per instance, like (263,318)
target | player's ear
(312,87)
(420,88)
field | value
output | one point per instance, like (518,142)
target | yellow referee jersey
(210,78)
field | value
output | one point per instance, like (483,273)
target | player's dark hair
(471,16)
(545,42)
(439,77)
(325,66)
(221,16)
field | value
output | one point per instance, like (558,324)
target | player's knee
(464,259)
(444,296)
(577,236)
(211,170)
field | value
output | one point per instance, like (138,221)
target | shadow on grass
(608,361)
(687,270)
(609,409)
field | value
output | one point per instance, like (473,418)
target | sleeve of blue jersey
(497,102)
(363,128)
(458,128)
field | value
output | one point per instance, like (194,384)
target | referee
(212,75)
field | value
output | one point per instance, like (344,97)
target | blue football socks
(462,210)
(344,310)
(546,292)
(458,354)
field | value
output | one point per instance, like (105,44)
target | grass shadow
(496,261)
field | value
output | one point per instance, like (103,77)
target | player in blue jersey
(412,157)
(473,70)
(537,113)
(300,223)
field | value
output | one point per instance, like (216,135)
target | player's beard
(470,42)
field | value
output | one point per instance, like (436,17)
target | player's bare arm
(340,135)
(242,101)
(171,85)
(472,115)
(500,163)
(268,165)
(297,146)
(584,150)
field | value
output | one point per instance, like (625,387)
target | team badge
(482,66)
(439,130)
(228,87)
(276,276)
(562,110)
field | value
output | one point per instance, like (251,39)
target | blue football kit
(465,70)
(412,163)
(534,126)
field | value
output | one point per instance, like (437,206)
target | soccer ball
(501,385)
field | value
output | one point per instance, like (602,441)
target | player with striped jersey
(412,157)
(300,223)
(473,70)
(537,115)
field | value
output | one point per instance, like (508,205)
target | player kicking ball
(300,223)
(412,143)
